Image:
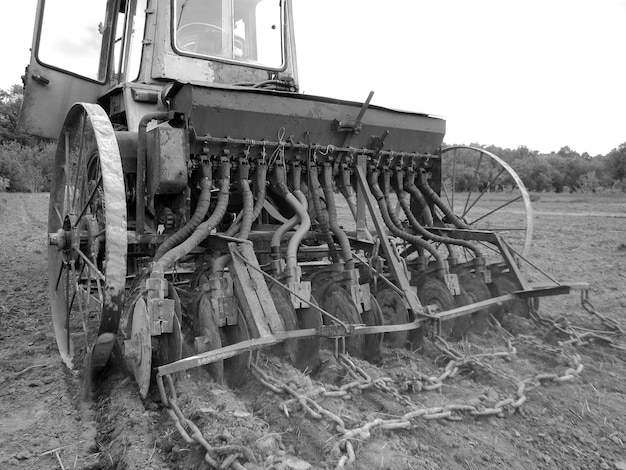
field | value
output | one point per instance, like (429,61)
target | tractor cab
(122,53)
(192,186)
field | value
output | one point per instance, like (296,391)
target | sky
(540,73)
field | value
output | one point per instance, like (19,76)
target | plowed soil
(47,421)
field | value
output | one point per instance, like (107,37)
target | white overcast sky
(540,73)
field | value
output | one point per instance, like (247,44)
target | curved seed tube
(203,230)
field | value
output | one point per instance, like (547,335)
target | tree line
(26,162)
(565,170)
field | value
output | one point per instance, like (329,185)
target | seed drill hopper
(199,199)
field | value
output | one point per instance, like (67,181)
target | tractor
(203,208)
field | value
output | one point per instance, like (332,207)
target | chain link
(191,434)
(457,362)
(360,380)
(580,336)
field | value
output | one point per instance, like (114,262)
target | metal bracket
(223,302)
(161,313)
(156,287)
(334,331)
(302,289)
(452,283)
(360,294)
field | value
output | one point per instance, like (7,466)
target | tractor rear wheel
(87,238)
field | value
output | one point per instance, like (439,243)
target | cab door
(69,61)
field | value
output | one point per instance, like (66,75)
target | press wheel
(142,352)
(373,344)
(505,283)
(308,358)
(211,336)
(432,291)
(394,312)
(303,353)
(87,237)
(476,291)
(336,301)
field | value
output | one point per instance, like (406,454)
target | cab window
(247,31)
(71,37)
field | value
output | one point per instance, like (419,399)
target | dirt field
(47,423)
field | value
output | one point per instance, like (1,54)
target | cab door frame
(49,91)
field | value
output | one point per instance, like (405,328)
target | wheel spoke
(453,178)
(68,308)
(79,166)
(66,170)
(488,246)
(58,213)
(91,265)
(91,196)
(484,191)
(98,284)
(474,178)
(445,193)
(61,266)
(496,209)
(80,302)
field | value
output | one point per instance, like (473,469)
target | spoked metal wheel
(87,235)
(486,194)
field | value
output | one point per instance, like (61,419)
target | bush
(588,182)
(27,167)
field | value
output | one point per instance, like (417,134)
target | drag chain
(580,336)
(363,381)
(190,433)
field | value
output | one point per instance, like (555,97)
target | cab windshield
(249,31)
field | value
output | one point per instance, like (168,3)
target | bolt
(58,239)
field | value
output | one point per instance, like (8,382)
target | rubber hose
(248,202)
(345,188)
(423,186)
(261,176)
(219,265)
(392,215)
(419,198)
(320,212)
(203,230)
(414,240)
(344,242)
(298,202)
(420,228)
(204,201)
(288,225)
(301,207)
